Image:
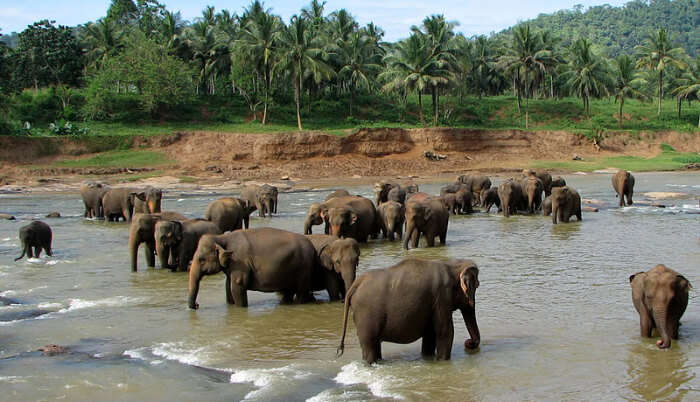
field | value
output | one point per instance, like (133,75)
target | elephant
(411,300)
(623,183)
(92,193)
(313,217)
(391,218)
(261,198)
(151,205)
(351,216)
(338,193)
(270,193)
(452,188)
(464,201)
(547,206)
(532,189)
(477,183)
(261,259)
(339,259)
(229,213)
(179,239)
(660,296)
(558,182)
(410,188)
(427,217)
(388,191)
(142,230)
(544,177)
(491,198)
(511,195)
(450,202)
(37,235)
(119,203)
(566,202)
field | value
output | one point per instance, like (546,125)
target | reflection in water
(659,375)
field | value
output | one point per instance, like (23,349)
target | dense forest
(143,62)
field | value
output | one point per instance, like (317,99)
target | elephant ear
(428,213)
(468,279)
(353,218)
(141,196)
(179,229)
(635,275)
(224,255)
(325,256)
(683,283)
(324,213)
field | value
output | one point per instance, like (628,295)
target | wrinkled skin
(152,203)
(477,183)
(391,219)
(544,177)
(229,213)
(558,182)
(179,239)
(532,191)
(450,202)
(36,235)
(566,202)
(547,206)
(382,190)
(412,300)
(118,203)
(261,259)
(313,218)
(464,201)
(427,217)
(339,259)
(511,195)
(261,198)
(463,198)
(92,193)
(623,183)
(142,230)
(490,199)
(660,296)
(350,216)
(337,193)
(268,198)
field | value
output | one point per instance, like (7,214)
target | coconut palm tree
(689,88)
(209,51)
(588,74)
(657,54)
(625,81)
(171,31)
(314,13)
(341,24)
(101,40)
(301,55)
(359,64)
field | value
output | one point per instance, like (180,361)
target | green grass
(188,179)
(125,159)
(665,160)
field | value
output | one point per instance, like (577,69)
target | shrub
(63,127)
(667,148)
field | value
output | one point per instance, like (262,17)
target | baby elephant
(180,239)
(391,218)
(660,297)
(37,234)
(565,203)
(623,183)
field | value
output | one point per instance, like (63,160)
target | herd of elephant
(411,300)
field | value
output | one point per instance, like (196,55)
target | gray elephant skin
(532,188)
(263,198)
(558,182)
(229,213)
(142,230)
(425,216)
(391,219)
(545,178)
(337,193)
(338,259)
(411,300)
(566,202)
(350,216)
(36,235)
(660,296)
(491,198)
(179,239)
(118,203)
(388,191)
(478,184)
(623,183)
(152,202)
(511,195)
(261,259)
(92,193)
(458,198)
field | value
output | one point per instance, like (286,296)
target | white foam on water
(372,376)
(677,185)
(49,305)
(178,351)
(181,200)
(14,292)
(268,379)
(7,239)
(136,353)
(12,379)
(116,301)
(34,260)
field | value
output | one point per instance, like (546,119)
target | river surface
(554,308)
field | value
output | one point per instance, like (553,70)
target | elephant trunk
(663,324)
(163,254)
(133,249)
(409,232)
(307,225)
(195,277)
(348,276)
(469,316)
(555,212)
(153,206)
(25,247)
(390,227)
(505,202)
(336,230)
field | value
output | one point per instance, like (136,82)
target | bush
(42,106)
(667,148)
(110,106)
(63,127)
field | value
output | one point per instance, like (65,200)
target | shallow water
(554,308)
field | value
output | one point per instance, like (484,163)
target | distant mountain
(619,29)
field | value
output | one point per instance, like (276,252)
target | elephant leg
(430,239)
(371,350)
(304,297)
(287,297)
(37,251)
(415,238)
(229,294)
(334,286)
(444,335)
(428,344)
(48,251)
(646,323)
(443,237)
(150,253)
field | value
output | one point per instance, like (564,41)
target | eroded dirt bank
(214,156)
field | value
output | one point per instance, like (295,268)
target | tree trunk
(420,108)
(619,113)
(352,98)
(680,104)
(661,86)
(267,91)
(297,96)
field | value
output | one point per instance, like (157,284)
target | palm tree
(341,24)
(171,30)
(209,51)
(101,40)
(588,75)
(689,88)
(314,13)
(302,56)
(624,83)
(359,63)
(258,41)
(658,53)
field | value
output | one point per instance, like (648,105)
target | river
(554,309)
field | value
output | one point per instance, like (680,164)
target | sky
(394,16)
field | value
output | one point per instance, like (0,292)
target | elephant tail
(24,251)
(346,310)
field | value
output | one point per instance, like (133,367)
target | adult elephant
(313,217)
(660,296)
(411,300)
(566,202)
(450,202)
(478,184)
(339,259)
(271,193)
(36,235)
(511,196)
(118,203)
(261,259)
(464,201)
(427,217)
(152,202)
(623,183)
(391,219)
(544,177)
(388,191)
(351,216)
(532,188)
(229,213)
(558,182)
(92,193)
(337,193)
(491,198)
(142,230)
(179,239)
(262,198)
(547,206)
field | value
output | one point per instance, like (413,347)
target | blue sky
(394,16)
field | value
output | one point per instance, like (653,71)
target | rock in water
(53,214)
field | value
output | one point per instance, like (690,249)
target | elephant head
(465,199)
(417,216)
(510,194)
(393,214)
(131,201)
(532,190)
(343,255)
(313,217)
(558,182)
(209,258)
(168,236)
(468,278)
(381,192)
(341,220)
(153,199)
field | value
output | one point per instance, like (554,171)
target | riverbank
(222,160)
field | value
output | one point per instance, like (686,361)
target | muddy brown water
(554,308)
